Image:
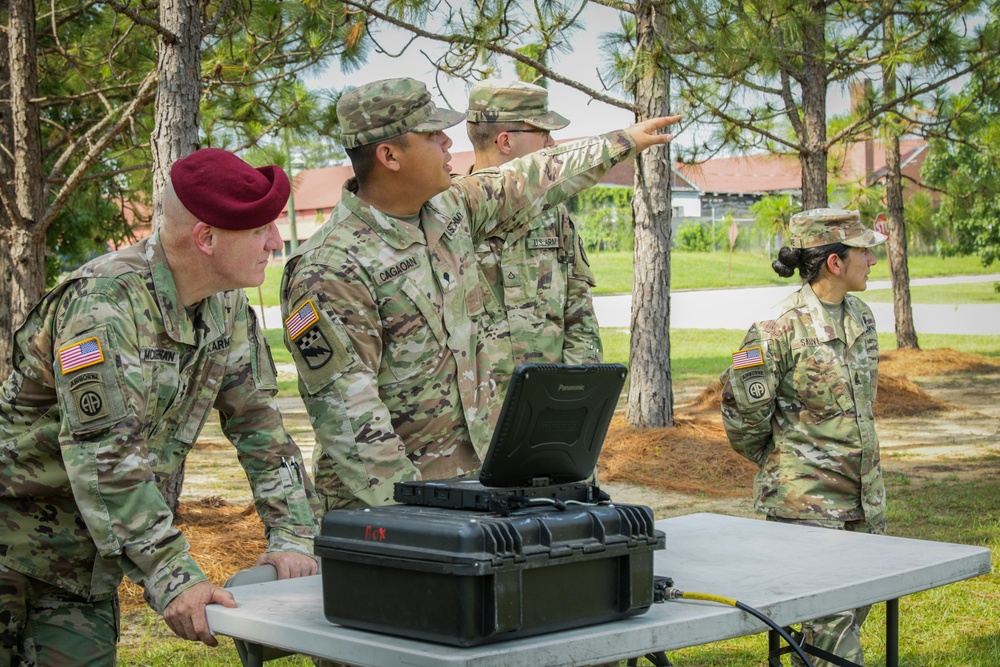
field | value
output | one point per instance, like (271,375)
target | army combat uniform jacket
(385,318)
(113,380)
(798,402)
(539,298)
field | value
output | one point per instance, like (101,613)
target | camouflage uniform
(113,380)
(798,401)
(384,319)
(803,412)
(539,277)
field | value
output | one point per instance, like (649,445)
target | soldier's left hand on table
(186,613)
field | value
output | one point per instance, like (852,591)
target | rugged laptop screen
(552,424)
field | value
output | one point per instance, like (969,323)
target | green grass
(708,270)
(929,266)
(703,270)
(696,355)
(702,354)
(988,346)
(276,341)
(957,293)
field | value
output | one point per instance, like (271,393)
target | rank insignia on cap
(752,356)
(80,355)
(304,317)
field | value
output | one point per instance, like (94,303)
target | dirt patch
(938,415)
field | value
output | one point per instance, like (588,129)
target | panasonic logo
(571,387)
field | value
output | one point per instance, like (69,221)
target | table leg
(773,649)
(892,633)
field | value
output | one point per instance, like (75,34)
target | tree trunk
(6,223)
(175,130)
(178,93)
(906,334)
(813,81)
(650,392)
(23,258)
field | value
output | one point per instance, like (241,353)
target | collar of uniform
(824,329)
(178,324)
(391,230)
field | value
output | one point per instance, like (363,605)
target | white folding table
(790,573)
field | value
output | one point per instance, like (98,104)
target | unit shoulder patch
(90,399)
(314,348)
(319,345)
(756,389)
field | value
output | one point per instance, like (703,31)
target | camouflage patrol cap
(387,108)
(823,226)
(506,101)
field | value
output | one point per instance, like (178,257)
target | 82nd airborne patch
(90,398)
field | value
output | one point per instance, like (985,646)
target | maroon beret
(222,190)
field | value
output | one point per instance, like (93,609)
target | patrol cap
(822,226)
(387,108)
(505,101)
(222,190)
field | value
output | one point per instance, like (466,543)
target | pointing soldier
(115,372)
(384,304)
(798,399)
(538,279)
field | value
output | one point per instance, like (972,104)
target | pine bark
(813,155)
(175,129)
(650,391)
(906,333)
(902,307)
(22,236)
(178,96)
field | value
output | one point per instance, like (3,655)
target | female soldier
(798,399)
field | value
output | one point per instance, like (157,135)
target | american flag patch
(80,355)
(752,356)
(303,318)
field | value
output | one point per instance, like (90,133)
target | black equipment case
(465,578)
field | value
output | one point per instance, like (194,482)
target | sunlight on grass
(700,270)
(957,293)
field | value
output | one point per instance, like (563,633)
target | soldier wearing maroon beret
(116,371)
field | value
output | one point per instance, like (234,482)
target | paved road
(738,308)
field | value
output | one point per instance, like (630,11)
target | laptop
(544,448)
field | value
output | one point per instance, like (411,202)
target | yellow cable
(710,598)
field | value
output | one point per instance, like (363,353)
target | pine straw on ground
(936,362)
(693,457)
(224,538)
